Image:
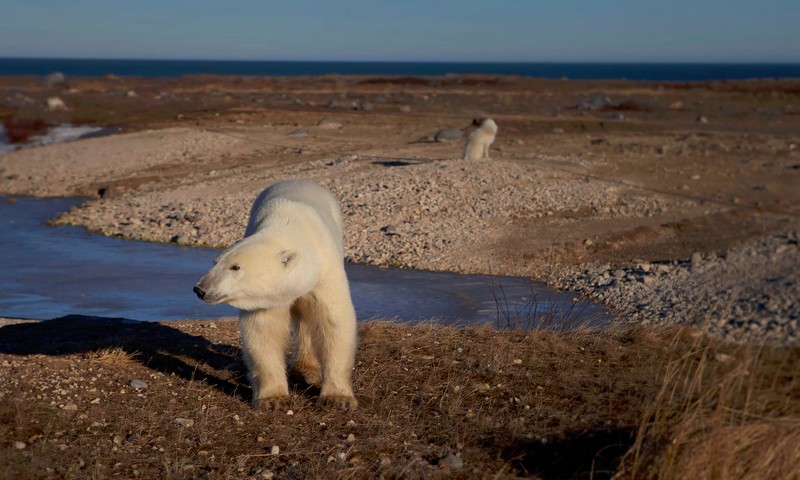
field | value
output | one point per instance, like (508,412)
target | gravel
(747,293)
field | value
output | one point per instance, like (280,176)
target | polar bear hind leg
(306,364)
(265,336)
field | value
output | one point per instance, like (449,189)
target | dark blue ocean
(174,68)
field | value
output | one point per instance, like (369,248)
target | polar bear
(289,268)
(479,141)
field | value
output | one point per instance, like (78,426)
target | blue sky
(406,30)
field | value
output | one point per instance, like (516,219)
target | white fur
(479,141)
(290,267)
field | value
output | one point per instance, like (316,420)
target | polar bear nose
(201,294)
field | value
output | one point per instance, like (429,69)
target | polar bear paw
(345,402)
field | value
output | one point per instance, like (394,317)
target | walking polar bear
(289,267)
(479,141)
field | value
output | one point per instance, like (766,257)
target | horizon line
(505,62)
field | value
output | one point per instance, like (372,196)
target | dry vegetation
(666,403)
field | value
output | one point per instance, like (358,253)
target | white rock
(451,462)
(184,422)
(138,384)
(55,103)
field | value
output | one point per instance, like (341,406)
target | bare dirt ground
(669,202)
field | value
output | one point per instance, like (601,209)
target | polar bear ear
(289,257)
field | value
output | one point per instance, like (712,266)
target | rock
(180,239)
(131,94)
(55,103)
(55,79)
(451,134)
(340,457)
(330,124)
(676,105)
(276,450)
(389,230)
(351,438)
(597,101)
(616,116)
(184,422)
(696,259)
(20,445)
(451,462)
(363,105)
(702,119)
(138,384)
(70,407)
(558,130)
(620,273)
(405,108)
(298,132)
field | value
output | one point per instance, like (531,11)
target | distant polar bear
(479,141)
(290,267)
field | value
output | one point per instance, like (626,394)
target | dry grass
(722,412)
(539,404)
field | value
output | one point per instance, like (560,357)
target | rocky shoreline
(664,227)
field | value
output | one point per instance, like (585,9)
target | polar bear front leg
(265,335)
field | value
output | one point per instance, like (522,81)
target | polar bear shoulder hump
(304,192)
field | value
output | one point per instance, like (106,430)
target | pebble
(330,124)
(276,450)
(451,462)
(448,135)
(55,103)
(184,422)
(70,407)
(298,132)
(696,259)
(351,438)
(138,384)
(54,79)
(20,445)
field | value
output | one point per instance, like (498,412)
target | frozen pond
(49,272)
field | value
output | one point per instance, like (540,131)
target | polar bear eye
(235,267)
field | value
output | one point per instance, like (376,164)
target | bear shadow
(157,346)
(593,454)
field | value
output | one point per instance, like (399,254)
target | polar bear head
(259,273)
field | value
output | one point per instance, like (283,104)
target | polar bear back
(303,192)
